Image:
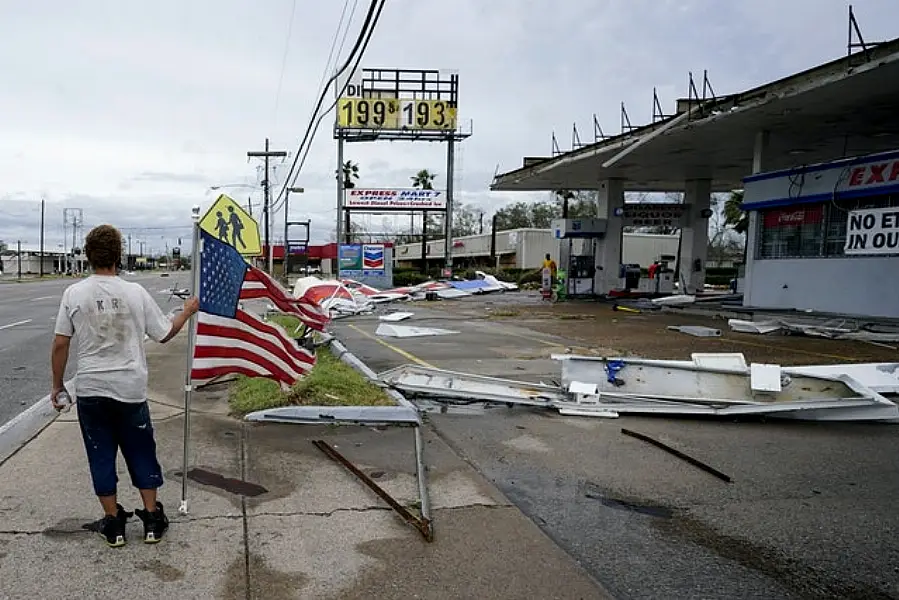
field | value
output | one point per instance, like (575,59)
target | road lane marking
(16,323)
(400,351)
(42,298)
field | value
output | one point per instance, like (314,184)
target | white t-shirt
(109,317)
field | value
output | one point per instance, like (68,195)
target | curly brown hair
(103,247)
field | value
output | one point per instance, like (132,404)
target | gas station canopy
(847,107)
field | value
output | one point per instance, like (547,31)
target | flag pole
(191,343)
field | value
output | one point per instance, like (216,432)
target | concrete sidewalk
(314,532)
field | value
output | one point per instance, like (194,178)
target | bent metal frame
(399,105)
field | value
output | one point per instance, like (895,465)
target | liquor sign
(658,214)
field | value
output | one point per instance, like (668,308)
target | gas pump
(662,281)
(578,240)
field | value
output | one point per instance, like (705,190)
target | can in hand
(63,398)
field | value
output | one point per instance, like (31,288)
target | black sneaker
(155,523)
(112,528)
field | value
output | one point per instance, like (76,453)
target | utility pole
(266,209)
(42,239)
(19,254)
(75,218)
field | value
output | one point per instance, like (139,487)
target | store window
(791,232)
(838,217)
(811,230)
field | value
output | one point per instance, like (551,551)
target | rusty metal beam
(422,524)
(679,454)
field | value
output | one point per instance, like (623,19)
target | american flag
(230,340)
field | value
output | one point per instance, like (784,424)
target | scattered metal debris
(421,523)
(686,457)
(696,330)
(407,331)
(834,329)
(714,384)
(396,316)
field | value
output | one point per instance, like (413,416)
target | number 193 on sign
(427,114)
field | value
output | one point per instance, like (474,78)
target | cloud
(131,112)
(161,177)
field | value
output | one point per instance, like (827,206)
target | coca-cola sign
(794,216)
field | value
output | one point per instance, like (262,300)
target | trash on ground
(834,329)
(674,300)
(347,297)
(406,331)
(396,316)
(696,330)
(759,327)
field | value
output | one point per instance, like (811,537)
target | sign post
(391,105)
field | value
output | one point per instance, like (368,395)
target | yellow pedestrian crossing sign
(230,223)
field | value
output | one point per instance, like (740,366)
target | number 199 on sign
(373,113)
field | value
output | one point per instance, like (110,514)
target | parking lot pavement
(807,514)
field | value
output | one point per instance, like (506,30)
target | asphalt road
(27,315)
(809,513)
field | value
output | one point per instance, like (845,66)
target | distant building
(525,249)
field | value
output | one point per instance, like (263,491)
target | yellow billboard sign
(395,114)
(230,223)
(368,113)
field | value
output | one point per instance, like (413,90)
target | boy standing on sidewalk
(109,318)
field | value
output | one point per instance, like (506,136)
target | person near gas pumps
(549,263)
(109,319)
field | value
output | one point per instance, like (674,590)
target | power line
(327,68)
(293,10)
(362,34)
(333,104)
(345,33)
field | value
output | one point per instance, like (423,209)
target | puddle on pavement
(69,527)
(661,512)
(228,484)
(162,571)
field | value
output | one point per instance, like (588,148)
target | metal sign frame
(399,88)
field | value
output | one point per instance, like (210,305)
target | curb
(25,426)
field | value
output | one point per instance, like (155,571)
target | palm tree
(564,196)
(737,218)
(350,172)
(734,215)
(424,180)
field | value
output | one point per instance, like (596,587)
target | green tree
(350,172)
(513,216)
(423,180)
(734,215)
(466,220)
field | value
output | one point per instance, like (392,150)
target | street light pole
(19,255)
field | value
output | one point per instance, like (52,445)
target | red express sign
(389,199)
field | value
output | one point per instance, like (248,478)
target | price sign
(427,114)
(368,113)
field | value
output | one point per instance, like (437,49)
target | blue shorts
(106,426)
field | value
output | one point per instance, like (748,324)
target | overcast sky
(131,111)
